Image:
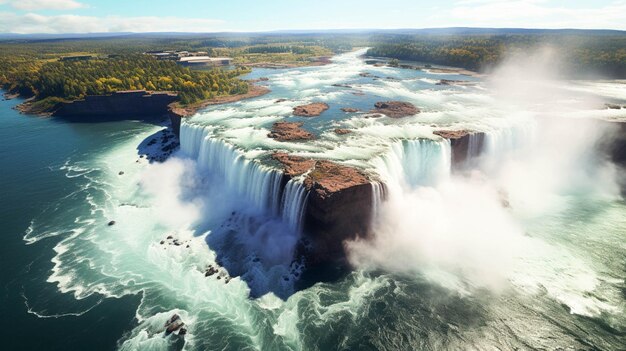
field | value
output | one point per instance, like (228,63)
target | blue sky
(81,16)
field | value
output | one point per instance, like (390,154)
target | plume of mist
(460,227)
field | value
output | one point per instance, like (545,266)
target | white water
(454,233)
(249,178)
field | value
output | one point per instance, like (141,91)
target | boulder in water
(349,109)
(173,324)
(310,110)
(111,223)
(289,131)
(395,109)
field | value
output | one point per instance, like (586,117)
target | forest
(58,80)
(34,67)
(598,55)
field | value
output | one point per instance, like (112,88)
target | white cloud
(537,14)
(35,23)
(32,5)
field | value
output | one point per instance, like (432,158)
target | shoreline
(189,110)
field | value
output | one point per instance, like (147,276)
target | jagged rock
(310,110)
(289,131)
(173,324)
(349,109)
(341,131)
(395,109)
(111,223)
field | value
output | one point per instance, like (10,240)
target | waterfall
(500,144)
(257,183)
(412,163)
(294,204)
(378,196)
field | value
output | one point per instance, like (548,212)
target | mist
(469,231)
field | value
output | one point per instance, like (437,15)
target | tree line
(601,55)
(69,80)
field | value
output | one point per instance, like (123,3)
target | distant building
(205,61)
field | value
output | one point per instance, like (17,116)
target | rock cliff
(136,104)
(339,206)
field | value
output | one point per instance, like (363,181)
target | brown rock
(395,109)
(310,110)
(339,208)
(349,109)
(294,165)
(342,131)
(289,131)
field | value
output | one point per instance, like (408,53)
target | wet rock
(173,324)
(111,223)
(182,331)
(395,109)
(613,106)
(310,110)
(279,101)
(342,86)
(289,131)
(120,173)
(342,131)
(210,271)
(349,109)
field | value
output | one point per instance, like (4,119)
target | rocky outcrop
(293,166)
(465,144)
(339,205)
(349,109)
(134,104)
(341,131)
(456,82)
(310,110)
(395,109)
(289,131)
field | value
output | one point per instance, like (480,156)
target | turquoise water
(448,268)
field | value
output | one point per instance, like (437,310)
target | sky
(97,16)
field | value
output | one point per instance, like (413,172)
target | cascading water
(378,196)
(413,163)
(294,203)
(259,184)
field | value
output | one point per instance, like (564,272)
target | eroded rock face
(289,131)
(465,145)
(310,110)
(395,109)
(339,206)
